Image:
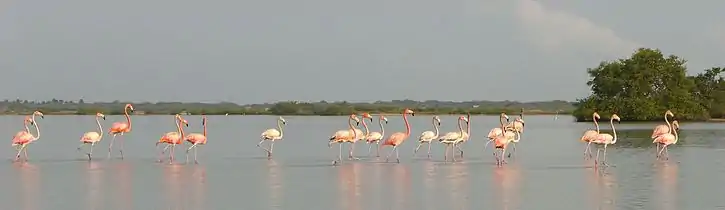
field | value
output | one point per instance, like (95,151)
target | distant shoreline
(216,114)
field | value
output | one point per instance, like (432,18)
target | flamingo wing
(395,139)
(494,132)
(270,133)
(374,136)
(589,135)
(659,130)
(90,136)
(427,136)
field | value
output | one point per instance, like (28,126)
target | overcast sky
(254,51)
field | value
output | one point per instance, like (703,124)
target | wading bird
(272,135)
(398,138)
(666,140)
(120,128)
(171,139)
(466,135)
(200,139)
(606,139)
(497,131)
(662,129)
(375,137)
(342,136)
(428,136)
(500,141)
(22,139)
(92,137)
(589,135)
(450,138)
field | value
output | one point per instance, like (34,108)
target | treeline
(285,108)
(645,85)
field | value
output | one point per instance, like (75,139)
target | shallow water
(547,172)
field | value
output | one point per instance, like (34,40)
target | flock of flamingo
(507,133)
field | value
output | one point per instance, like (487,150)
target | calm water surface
(548,172)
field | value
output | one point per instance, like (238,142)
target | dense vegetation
(286,108)
(645,85)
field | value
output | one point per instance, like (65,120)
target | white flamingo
(376,137)
(428,136)
(272,135)
(590,135)
(450,138)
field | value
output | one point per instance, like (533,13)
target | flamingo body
(271,134)
(589,135)
(91,137)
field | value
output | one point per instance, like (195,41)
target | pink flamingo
(398,138)
(666,140)
(500,141)
(589,135)
(376,137)
(22,139)
(26,122)
(606,139)
(92,137)
(497,131)
(120,128)
(344,135)
(518,123)
(450,138)
(662,129)
(272,135)
(173,138)
(199,139)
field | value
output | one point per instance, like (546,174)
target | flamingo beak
(386,122)
(104,117)
(284,123)
(439,123)
(412,114)
(357,123)
(371,120)
(42,117)
(187,124)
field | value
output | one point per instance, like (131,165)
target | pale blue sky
(258,51)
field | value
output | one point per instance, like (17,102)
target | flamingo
(366,135)
(606,139)
(589,135)
(398,138)
(497,131)
(450,138)
(198,139)
(359,135)
(502,140)
(344,135)
(22,139)
(173,138)
(26,122)
(272,135)
(376,137)
(92,137)
(666,139)
(427,136)
(465,135)
(662,129)
(518,123)
(120,128)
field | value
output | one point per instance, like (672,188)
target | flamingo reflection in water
(30,182)
(173,186)
(274,182)
(666,183)
(95,190)
(507,181)
(122,183)
(199,188)
(348,183)
(459,181)
(602,192)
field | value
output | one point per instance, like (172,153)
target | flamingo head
(39,114)
(518,119)
(130,107)
(408,111)
(676,125)
(384,119)
(504,116)
(101,115)
(368,116)
(616,117)
(203,120)
(437,120)
(281,119)
(669,112)
(354,117)
(464,118)
(596,116)
(186,123)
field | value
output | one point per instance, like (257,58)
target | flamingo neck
(100,129)
(25,123)
(614,131)
(128,118)
(352,129)
(468,125)
(177,121)
(205,127)
(460,127)
(37,129)
(407,125)
(435,126)
(279,126)
(677,137)
(669,125)
(503,129)
(367,131)
(596,124)
(382,129)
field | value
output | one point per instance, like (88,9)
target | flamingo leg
(370,148)
(195,161)
(429,155)
(377,154)
(445,153)
(120,145)
(187,152)
(271,148)
(588,151)
(163,151)
(397,154)
(265,149)
(486,146)
(352,148)
(453,151)
(90,152)
(514,151)
(17,156)
(110,146)
(416,148)
(604,158)
(391,153)
(597,157)
(25,153)
(660,153)
(171,154)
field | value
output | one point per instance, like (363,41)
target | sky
(257,51)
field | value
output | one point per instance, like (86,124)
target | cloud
(561,31)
